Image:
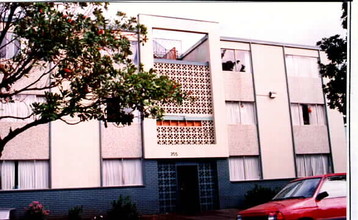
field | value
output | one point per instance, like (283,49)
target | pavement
(221,214)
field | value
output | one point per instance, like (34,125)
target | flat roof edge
(171,17)
(245,40)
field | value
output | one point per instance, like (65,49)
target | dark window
(235,60)
(306,115)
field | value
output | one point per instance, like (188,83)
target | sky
(302,23)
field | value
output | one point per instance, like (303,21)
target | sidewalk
(221,214)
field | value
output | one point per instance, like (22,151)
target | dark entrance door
(188,189)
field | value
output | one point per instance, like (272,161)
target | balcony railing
(167,48)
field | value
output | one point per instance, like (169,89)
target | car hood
(273,206)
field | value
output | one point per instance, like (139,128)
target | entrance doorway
(188,189)
(187,186)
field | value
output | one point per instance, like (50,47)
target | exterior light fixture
(272,95)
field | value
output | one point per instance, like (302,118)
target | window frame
(301,114)
(11,46)
(17,177)
(240,113)
(247,64)
(307,164)
(293,72)
(245,168)
(122,173)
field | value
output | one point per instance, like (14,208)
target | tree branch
(15,117)
(21,71)
(9,21)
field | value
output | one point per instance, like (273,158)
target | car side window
(335,186)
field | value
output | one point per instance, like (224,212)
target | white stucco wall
(337,133)
(311,139)
(338,137)
(238,86)
(200,54)
(32,144)
(75,155)
(121,142)
(243,140)
(34,77)
(273,114)
(306,90)
(301,51)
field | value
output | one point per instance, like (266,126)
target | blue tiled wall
(94,200)
(98,200)
(231,194)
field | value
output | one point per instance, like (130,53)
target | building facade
(259,117)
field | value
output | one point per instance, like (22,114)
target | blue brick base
(231,194)
(98,200)
(94,200)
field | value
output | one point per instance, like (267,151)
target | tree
(79,62)
(336,70)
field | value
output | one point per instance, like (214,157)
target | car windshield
(298,189)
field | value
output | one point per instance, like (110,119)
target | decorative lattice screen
(193,78)
(167,187)
(207,186)
(180,135)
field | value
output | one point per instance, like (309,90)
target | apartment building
(259,117)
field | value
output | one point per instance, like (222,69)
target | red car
(316,197)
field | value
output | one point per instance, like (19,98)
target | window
(116,114)
(244,168)
(24,174)
(20,107)
(122,172)
(236,60)
(9,47)
(336,186)
(304,114)
(240,113)
(302,66)
(134,56)
(313,164)
(301,188)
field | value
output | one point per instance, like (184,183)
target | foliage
(36,211)
(75,213)
(336,70)
(123,209)
(258,195)
(79,61)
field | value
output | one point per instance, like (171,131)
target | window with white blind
(240,113)
(122,172)
(244,168)
(236,60)
(24,174)
(308,114)
(9,46)
(135,53)
(313,164)
(19,108)
(302,66)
